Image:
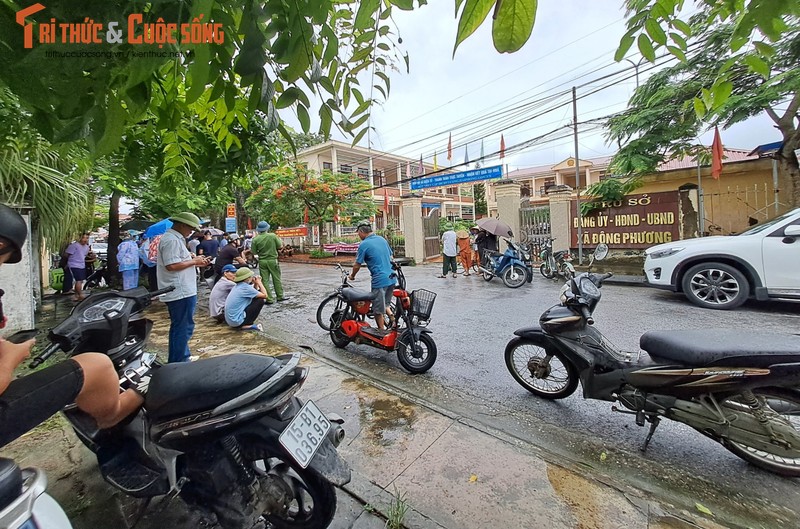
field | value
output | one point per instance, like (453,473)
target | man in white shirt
(216,302)
(449,252)
(176,268)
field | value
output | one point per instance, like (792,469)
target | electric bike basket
(422,303)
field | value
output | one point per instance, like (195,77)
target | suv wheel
(715,286)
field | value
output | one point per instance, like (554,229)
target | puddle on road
(385,420)
(579,495)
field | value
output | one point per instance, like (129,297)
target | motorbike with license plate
(738,387)
(556,264)
(406,332)
(509,266)
(226,434)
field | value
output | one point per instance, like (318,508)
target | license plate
(305,434)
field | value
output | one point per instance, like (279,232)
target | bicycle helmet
(14,229)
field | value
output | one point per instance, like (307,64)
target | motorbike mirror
(601,252)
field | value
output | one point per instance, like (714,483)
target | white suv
(722,272)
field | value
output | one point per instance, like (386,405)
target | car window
(766,225)
(779,231)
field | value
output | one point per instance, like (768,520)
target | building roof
(728,156)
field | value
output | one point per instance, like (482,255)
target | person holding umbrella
(176,269)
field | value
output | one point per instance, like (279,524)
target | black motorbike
(737,387)
(226,434)
(555,264)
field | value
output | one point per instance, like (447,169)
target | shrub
(319,254)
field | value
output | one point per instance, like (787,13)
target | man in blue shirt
(208,246)
(245,301)
(375,252)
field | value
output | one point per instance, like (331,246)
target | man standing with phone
(176,268)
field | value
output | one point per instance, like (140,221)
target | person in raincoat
(128,261)
(464,250)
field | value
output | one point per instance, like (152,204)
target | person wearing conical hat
(245,301)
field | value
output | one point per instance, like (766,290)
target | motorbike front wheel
(338,337)
(314,501)
(515,276)
(425,356)
(325,311)
(781,405)
(555,378)
(546,271)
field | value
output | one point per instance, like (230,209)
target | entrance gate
(534,226)
(430,227)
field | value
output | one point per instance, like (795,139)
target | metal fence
(534,227)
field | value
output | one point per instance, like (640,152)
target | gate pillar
(560,218)
(508,195)
(413,229)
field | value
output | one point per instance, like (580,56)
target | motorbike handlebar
(587,315)
(44,355)
(160,291)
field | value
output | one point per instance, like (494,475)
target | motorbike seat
(10,482)
(727,348)
(351,294)
(186,387)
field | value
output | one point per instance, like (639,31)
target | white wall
(17,280)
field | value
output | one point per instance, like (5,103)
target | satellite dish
(601,252)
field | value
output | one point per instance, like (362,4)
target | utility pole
(577,176)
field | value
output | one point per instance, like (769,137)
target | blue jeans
(181,312)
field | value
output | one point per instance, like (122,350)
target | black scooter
(226,434)
(737,387)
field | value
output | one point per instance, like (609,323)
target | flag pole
(577,177)
(700,207)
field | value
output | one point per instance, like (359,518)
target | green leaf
(360,135)
(653,29)
(304,118)
(198,73)
(764,49)
(699,107)
(703,509)
(679,40)
(326,120)
(757,65)
(472,17)
(708,98)
(116,118)
(682,26)
(722,91)
(513,24)
(287,98)
(366,12)
(646,47)
(383,46)
(405,5)
(677,52)
(624,45)
(385,80)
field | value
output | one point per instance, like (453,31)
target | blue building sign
(448,179)
(230,225)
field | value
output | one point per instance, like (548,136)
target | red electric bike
(406,331)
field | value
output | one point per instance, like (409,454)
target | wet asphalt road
(473,320)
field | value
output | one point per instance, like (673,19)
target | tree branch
(773,115)
(791,110)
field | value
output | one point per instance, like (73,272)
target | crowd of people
(468,247)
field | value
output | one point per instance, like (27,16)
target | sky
(573,43)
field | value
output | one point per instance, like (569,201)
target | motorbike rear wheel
(515,276)
(781,405)
(546,271)
(525,361)
(338,337)
(314,502)
(426,351)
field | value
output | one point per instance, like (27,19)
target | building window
(363,173)
(377,177)
(346,169)
(452,191)
(547,185)
(525,190)
(327,166)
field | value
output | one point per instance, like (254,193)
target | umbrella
(495,226)
(462,234)
(214,231)
(159,228)
(136,224)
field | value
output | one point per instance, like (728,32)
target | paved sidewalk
(446,470)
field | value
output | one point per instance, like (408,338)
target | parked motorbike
(509,266)
(24,504)
(226,434)
(406,332)
(736,387)
(97,275)
(328,305)
(556,264)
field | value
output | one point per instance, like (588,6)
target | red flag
(450,147)
(305,216)
(502,147)
(716,155)
(249,223)
(385,200)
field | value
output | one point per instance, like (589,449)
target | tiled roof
(729,156)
